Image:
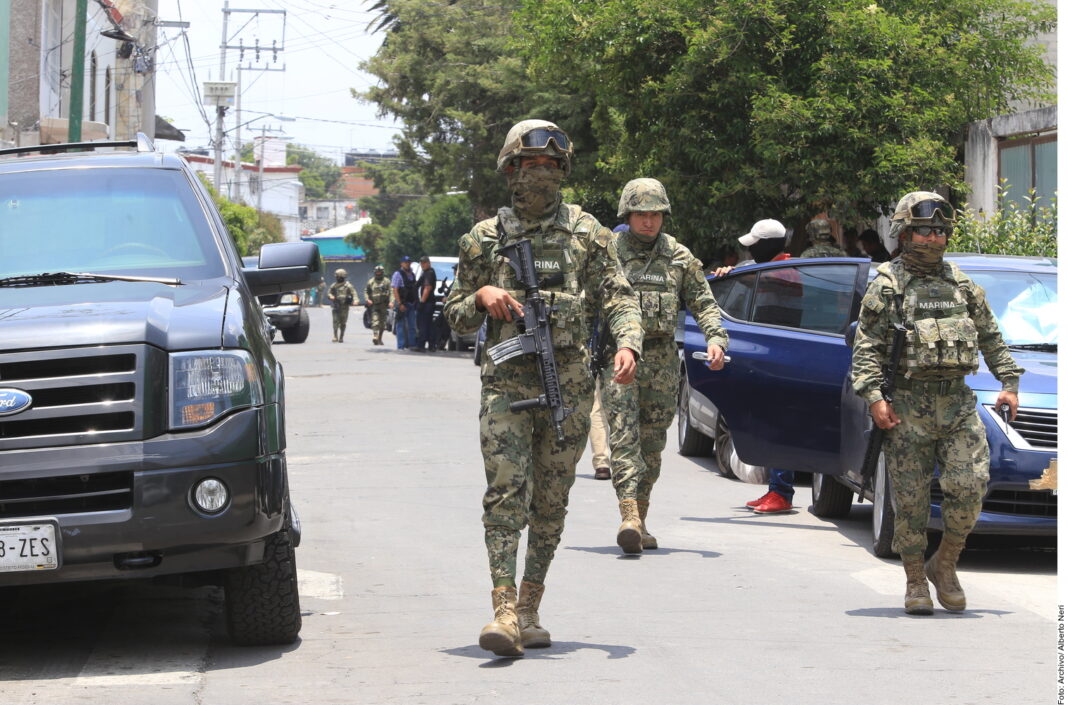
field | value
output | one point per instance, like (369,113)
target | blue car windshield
(122,221)
(1025,304)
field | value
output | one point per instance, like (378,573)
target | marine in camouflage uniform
(664,275)
(341,295)
(822,240)
(933,418)
(376,297)
(529,472)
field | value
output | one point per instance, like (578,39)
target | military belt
(930,386)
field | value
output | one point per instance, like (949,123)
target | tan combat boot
(941,570)
(648,540)
(531,633)
(501,636)
(917,596)
(629,536)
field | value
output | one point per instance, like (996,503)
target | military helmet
(379,268)
(340,273)
(643,195)
(922,208)
(818,226)
(533,137)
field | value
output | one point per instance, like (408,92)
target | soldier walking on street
(376,297)
(529,472)
(664,275)
(933,419)
(341,296)
(821,240)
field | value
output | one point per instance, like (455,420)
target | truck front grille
(84,395)
(69,494)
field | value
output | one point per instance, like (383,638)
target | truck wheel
(262,603)
(299,332)
(724,448)
(830,498)
(691,441)
(882,513)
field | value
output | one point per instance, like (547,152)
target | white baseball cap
(763,230)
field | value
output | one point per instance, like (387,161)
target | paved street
(386,474)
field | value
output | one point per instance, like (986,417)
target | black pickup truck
(142,412)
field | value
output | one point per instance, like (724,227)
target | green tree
(397,183)
(241,221)
(748,109)
(447,72)
(320,175)
(268,229)
(371,237)
(1030,229)
(427,226)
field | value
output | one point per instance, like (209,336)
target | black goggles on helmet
(926,210)
(539,138)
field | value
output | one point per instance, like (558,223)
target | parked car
(445,268)
(785,399)
(284,311)
(142,410)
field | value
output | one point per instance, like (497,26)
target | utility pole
(77,73)
(263,150)
(220,110)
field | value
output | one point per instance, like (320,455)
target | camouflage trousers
(379,312)
(942,429)
(529,472)
(638,418)
(341,317)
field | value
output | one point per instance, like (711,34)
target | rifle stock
(535,337)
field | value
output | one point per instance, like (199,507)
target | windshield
(1025,304)
(143,222)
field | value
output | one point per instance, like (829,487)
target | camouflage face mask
(922,257)
(535,189)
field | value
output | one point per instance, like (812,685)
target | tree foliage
(1030,229)
(248,228)
(320,175)
(750,109)
(447,72)
(397,183)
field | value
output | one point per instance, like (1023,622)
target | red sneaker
(760,500)
(774,504)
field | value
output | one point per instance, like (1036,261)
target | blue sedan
(785,400)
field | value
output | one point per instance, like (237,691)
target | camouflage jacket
(342,291)
(823,250)
(666,276)
(878,311)
(576,257)
(378,291)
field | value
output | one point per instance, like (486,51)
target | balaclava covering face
(535,190)
(922,258)
(765,250)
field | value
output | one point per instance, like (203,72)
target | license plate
(26,547)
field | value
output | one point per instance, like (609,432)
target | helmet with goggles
(643,196)
(530,138)
(923,211)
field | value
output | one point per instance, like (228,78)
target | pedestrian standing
(425,285)
(404,300)
(664,275)
(821,240)
(530,472)
(376,297)
(933,419)
(342,295)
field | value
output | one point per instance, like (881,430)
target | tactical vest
(655,280)
(559,255)
(343,292)
(379,290)
(942,337)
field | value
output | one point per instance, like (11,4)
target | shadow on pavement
(559,648)
(615,550)
(758,520)
(899,613)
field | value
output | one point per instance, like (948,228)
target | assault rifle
(535,337)
(876,435)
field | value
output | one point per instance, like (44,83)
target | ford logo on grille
(14,401)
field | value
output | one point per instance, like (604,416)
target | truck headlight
(206,384)
(289,299)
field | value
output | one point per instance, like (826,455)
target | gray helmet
(532,137)
(379,268)
(922,208)
(340,273)
(643,195)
